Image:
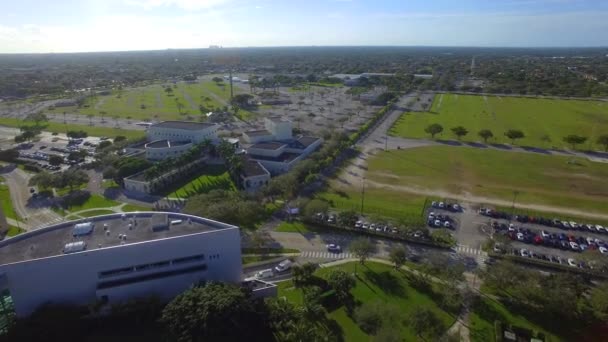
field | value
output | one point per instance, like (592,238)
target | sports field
(537,118)
(154,103)
(539,179)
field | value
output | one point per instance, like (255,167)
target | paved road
(34,213)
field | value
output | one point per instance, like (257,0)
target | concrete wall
(254,139)
(166,152)
(162,133)
(252,184)
(73,278)
(266,152)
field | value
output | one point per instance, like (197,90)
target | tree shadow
(387,281)
(501,146)
(476,144)
(449,142)
(535,149)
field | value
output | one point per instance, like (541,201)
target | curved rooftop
(166,144)
(107,232)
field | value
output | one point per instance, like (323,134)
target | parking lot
(40,151)
(550,239)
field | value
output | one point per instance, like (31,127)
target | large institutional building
(115,257)
(173,138)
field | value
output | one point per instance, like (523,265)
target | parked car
(574,246)
(544,234)
(572,262)
(524,253)
(283,266)
(603,250)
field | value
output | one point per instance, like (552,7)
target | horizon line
(315,46)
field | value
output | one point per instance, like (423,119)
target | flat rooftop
(270,145)
(285,157)
(307,141)
(257,132)
(253,168)
(186,125)
(145,226)
(166,144)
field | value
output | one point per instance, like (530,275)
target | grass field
(539,179)
(96,212)
(132,207)
(154,103)
(213,177)
(376,282)
(95,201)
(91,130)
(486,311)
(7,204)
(535,117)
(12,231)
(386,203)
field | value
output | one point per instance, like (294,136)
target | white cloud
(190,5)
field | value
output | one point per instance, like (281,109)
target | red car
(538,240)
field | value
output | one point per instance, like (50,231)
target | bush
(369,316)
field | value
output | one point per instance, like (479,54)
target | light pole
(515,193)
(362,194)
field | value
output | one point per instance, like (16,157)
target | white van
(283,266)
(263,274)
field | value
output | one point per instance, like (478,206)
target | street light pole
(362,194)
(515,193)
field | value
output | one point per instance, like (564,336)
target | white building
(276,149)
(116,258)
(254,176)
(173,138)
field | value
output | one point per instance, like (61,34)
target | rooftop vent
(74,247)
(82,229)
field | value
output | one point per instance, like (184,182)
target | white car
(574,246)
(544,234)
(599,228)
(365,225)
(372,226)
(434,204)
(565,224)
(441,205)
(447,224)
(520,236)
(437,223)
(524,253)
(573,224)
(358,224)
(603,250)
(456,207)
(572,262)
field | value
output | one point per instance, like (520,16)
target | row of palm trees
(180,163)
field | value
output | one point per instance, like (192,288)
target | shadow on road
(535,149)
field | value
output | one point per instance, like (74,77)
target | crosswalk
(329,255)
(464,249)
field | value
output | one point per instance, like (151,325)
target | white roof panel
(74,247)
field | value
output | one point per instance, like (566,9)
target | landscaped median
(551,265)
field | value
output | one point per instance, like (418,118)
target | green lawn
(7,204)
(539,179)
(212,177)
(486,311)
(95,201)
(535,117)
(12,231)
(96,212)
(64,191)
(376,282)
(109,183)
(385,202)
(297,227)
(134,207)
(91,130)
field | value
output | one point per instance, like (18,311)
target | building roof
(146,226)
(185,125)
(285,157)
(277,119)
(258,132)
(252,168)
(268,145)
(307,141)
(166,144)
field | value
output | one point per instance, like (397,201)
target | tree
(598,301)
(302,275)
(545,138)
(425,321)
(37,118)
(434,129)
(363,248)
(603,140)
(211,312)
(514,134)
(369,316)
(217,79)
(43,180)
(398,256)
(71,178)
(574,140)
(341,282)
(9,155)
(55,160)
(460,131)
(485,134)
(169,91)
(348,218)
(315,206)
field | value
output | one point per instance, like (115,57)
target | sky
(117,25)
